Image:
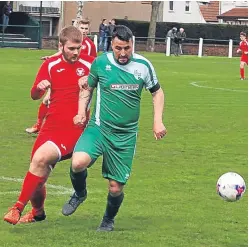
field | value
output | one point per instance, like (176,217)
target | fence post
(230,50)
(95,41)
(168,40)
(134,40)
(200,47)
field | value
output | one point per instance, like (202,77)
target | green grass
(170,199)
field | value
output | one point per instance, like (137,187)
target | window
(171,5)
(187,6)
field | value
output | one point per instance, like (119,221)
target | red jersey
(64,97)
(243,45)
(88,47)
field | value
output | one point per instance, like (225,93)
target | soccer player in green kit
(119,78)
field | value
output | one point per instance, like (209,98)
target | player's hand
(159,130)
(82,82)
(80,120)
(43,85)
(238,51)
(45,57)
(246,52)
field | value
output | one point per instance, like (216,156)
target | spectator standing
(112,24)
(181,36)
(7,10)
(103,33)
(173,40)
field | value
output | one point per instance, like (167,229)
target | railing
(20,33)
(164,45)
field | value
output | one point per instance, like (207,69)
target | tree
(80,5)
(152,26)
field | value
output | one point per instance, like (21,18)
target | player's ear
(60,46)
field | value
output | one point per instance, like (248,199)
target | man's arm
(54,55)
(85,97)
(158,102)
(3,10)
(86,85)
(152,84)
(42,82)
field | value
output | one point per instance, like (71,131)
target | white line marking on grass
(16,192)
(218,88)
(61,190)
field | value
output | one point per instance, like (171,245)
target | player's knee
(242,65)
(115,188)
(80,161)
(38,161)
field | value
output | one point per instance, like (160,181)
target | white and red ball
(231,186)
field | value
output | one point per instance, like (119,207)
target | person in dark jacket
(111,27)
(7,10)
(103,33)
(172,34)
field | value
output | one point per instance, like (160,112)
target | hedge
(193,30)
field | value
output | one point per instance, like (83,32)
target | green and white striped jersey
(119,90)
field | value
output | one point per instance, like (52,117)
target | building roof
(235,13)
(210,11)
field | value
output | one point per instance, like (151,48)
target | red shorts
(63,140)
(244,59)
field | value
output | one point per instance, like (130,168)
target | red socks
(242,73)
(42,112)
(31,185)
(38,200)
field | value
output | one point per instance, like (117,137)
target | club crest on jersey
(83,47)
(80,71)
(137,74)
(127,87)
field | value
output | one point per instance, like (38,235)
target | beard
(123,58)
(69,59)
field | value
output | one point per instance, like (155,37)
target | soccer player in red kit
(62,128)
(88,48)
(243,49)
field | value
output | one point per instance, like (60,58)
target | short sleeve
(43,74)
(151,77)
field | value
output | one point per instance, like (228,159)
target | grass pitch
(170,199)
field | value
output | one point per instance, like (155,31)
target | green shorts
(118,150)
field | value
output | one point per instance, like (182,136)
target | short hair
(84,21)
(243,34)
(122,32)
(70,33)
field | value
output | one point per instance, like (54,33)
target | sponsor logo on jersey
(60,70)
(129,87)
(80,71)
(108,67)
(137,74)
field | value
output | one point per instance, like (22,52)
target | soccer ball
(231,186)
